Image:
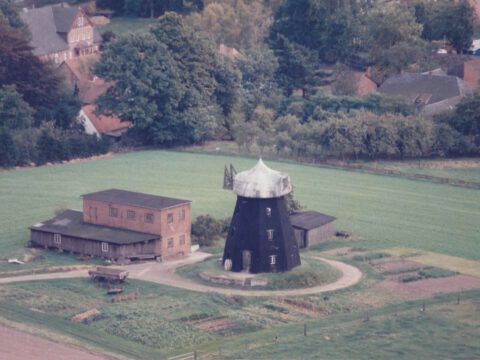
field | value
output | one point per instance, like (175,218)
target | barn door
(246,260)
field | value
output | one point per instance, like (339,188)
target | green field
(125,25)
(383,211)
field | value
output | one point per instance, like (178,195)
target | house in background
(120,225)
(312,227)
(61,33)
(471,72)
(78,73)
(430,93)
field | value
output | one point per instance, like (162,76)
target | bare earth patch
(15,344)
(430,287)
(397,265)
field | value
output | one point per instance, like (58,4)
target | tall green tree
(453,21)
(15,113)
(169,82)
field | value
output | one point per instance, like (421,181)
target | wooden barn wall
(321,234)
(90,247)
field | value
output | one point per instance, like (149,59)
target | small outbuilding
(312,227)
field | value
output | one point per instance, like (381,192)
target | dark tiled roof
(416,87)
(41,23)
(70,223)
(308,220)
(64,17)
(135,199)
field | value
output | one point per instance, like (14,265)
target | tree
(8,151)
(169,82)
(392,36)
(9,14)
(242,24)
(450,20)
(38,83)
(15,113)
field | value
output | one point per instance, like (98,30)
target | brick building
(61,33)
(120,225)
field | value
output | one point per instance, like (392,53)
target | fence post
(194,354)
(305,330)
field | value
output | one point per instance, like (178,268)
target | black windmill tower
(261,238)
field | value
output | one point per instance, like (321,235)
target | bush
(371,256)
(206,229)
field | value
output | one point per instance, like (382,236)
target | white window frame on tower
(270,234)
(273,259)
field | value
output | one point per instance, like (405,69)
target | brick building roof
(135,199)
(70,223)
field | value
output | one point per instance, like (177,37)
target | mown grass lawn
(125,25)
(383,211)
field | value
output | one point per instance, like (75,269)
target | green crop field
(383,211)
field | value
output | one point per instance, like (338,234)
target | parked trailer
(108,274)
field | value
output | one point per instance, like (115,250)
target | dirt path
(164,273)
(15,344)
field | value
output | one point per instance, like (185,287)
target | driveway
(164,273)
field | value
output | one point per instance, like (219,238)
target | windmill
(260,237)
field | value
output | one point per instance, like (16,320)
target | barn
(119,225)
(312,227)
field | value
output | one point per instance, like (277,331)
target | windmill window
(273,259)
(182,240)
(170,243)
(131,215)
(169,218)
(270,234)
(268,211)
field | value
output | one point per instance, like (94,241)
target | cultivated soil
(431,287)
(15,344)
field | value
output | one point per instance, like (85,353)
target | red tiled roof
(90,87)
(105,123)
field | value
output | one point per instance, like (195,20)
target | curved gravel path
(164,273)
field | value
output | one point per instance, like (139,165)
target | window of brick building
(182,240)
(149,218)
(131,215)
(170,243)
(181,216)
(169,218)
(113,212)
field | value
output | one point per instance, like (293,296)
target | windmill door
(246,260)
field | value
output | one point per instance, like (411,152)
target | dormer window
(80,21)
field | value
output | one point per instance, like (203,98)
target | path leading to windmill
(164,273)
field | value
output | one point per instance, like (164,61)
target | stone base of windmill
(233,279)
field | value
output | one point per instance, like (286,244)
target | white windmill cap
(261,182)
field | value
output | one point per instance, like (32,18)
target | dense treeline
(37,111)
